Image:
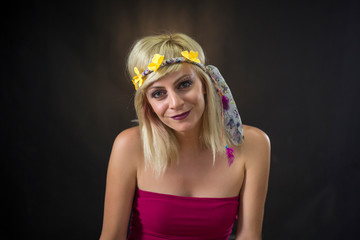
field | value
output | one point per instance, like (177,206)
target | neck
(189,142)
(191,151)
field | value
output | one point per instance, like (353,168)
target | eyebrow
(175,83)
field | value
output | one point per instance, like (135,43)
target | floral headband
(158,62)
(229,112)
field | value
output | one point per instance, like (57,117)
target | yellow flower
(156,62)
(192,56)
(137,80)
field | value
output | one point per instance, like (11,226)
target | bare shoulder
(127,147)
(255,135)
(256,145)
(129,138)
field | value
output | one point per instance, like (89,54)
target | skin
(194,176)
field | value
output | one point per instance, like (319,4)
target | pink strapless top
(158,216)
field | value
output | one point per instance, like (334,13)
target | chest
(200,179)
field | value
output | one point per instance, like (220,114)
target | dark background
(293,67)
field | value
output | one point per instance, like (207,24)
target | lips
(181,116)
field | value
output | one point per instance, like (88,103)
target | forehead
(171,77)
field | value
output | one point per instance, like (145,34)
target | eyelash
(155,93)
(182,85)
(188,82)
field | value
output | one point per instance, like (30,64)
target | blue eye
(185,84)
(157,94)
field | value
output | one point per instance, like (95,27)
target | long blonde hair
(160,145)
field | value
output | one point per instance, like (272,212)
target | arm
(120,185)
(256,151)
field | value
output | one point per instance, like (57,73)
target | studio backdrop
(293,68)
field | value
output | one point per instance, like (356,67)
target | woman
(182,173)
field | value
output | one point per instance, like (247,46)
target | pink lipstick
(181,116)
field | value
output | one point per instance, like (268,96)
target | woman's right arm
(120,185)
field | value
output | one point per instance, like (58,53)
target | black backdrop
(293,67)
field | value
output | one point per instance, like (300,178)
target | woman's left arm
(256,150)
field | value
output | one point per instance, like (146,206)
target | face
(178,99)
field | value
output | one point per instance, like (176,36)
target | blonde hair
(160,145)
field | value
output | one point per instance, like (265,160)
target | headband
(229,112)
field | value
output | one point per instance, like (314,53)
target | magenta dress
(157,216)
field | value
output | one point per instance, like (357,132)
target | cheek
(158,108)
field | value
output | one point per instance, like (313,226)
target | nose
(175,100)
